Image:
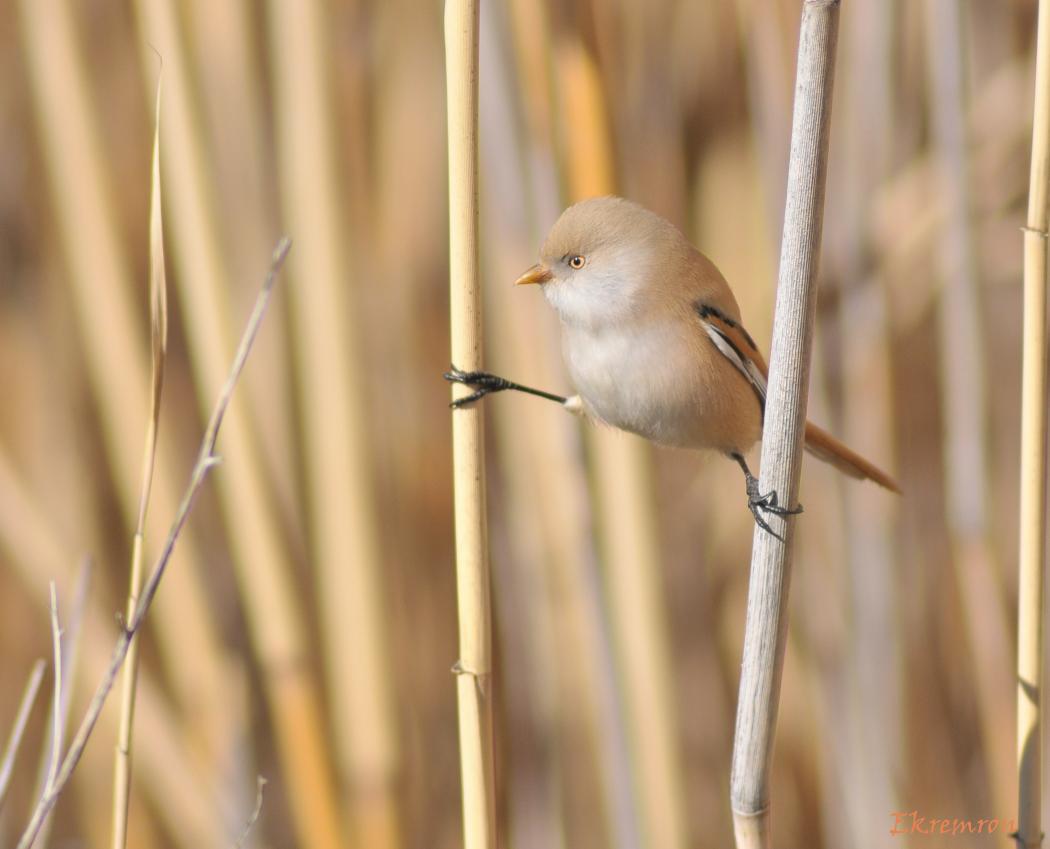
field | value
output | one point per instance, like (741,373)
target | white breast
(638,379)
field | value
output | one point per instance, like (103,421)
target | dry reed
(1032,545)
(159,338)
(766,627)
(907,639)
(473,670)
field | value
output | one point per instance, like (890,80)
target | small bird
(654,344)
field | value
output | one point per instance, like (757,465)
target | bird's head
(598,260)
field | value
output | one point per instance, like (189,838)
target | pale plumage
(654,342)
(635,342)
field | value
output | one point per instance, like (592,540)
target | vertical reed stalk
(474,667)
(1032,550)
(766,628)
(159,344)
(343,537)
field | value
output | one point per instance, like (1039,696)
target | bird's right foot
(759,503)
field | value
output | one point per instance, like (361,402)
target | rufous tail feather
(824,446)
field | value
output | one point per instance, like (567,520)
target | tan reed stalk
(343,536)
(109,322)
(207,459)
(159,344)
(473,670)
(181,794)
(18,728)
(621,469)
(1032,548)
(965,395)
(263,571)
(766,628)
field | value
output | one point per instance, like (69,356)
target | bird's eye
(577,262)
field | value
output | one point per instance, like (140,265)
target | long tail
(824,446)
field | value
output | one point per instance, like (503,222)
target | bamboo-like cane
(1032,549)
(474,668)
(766,627)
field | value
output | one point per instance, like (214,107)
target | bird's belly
(647,383)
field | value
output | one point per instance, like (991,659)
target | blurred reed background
(307,627)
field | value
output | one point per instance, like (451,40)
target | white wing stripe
(745,366)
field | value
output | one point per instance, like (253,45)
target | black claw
(467,400)
(759,503)
(481,381)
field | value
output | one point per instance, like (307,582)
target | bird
(654,343)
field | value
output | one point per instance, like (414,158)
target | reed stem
(1032,547)
(766,627)
(473,670)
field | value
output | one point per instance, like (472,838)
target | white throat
(601,296)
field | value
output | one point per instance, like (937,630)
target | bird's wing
(737,346)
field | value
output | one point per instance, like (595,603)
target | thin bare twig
(70,637)
(56,734)
(260,783)
(206,460)
(14,741)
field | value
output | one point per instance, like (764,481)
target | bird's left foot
(480,381)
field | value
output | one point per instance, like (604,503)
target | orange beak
(536,274)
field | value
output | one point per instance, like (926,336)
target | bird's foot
(480,381)
(759,503)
